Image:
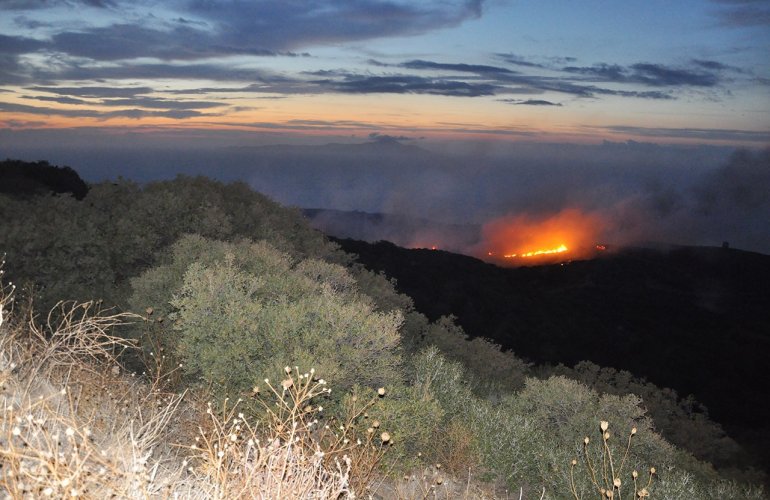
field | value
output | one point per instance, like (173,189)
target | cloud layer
(193,60)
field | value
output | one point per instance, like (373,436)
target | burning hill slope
(525,240)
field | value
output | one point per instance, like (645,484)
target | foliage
(55,248)
(682,421)
(529,439)
(86,250)
(415,421)
(493,370)
(238,311)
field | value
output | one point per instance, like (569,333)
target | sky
(277,71)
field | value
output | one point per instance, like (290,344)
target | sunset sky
(684,71)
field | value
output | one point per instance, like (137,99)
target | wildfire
(532,239)
(560,249)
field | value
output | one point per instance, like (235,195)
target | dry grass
(74,424)
(237,459)
(70,424)
(455,450)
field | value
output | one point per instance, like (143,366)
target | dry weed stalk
(75,334)
(606,477)
(161,366)
(285,459)
(295,452)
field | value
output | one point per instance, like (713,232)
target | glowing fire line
(559,249)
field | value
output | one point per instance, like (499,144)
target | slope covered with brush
(228,294)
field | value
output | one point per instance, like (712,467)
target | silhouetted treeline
(23,179)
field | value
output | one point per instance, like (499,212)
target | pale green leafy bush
(529,439)
(564,412)
(235,312)
(682,421)
(492,370)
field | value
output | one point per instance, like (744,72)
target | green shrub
(562,412)
(492,371)
(682,421)
(528,440)
(84,250)
(55,248)
(240,311)
(414,422)
(496,435)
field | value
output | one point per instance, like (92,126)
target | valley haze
(446,194)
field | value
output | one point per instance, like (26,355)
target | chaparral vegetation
(191,339)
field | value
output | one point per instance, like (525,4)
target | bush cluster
(237,312)
(59,247)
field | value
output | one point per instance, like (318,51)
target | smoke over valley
(485,198)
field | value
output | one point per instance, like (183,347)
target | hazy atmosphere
(625,117)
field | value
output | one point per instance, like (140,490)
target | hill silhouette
(403,230)
(24,179)
(690,318)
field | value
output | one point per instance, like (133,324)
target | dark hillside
(24,179)
(694,319)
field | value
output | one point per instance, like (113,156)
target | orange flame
(561,248)
(526,239)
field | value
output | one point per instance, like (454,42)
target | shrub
(492,370)
(682,421)
(23,179)
(496,434)
(529,439)
(562,410)
(415,421)
(239,311)
(84,250)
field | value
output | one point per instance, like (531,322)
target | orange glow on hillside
(535,253)
(527,239)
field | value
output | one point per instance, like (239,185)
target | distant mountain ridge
(376,146)
(402,230)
